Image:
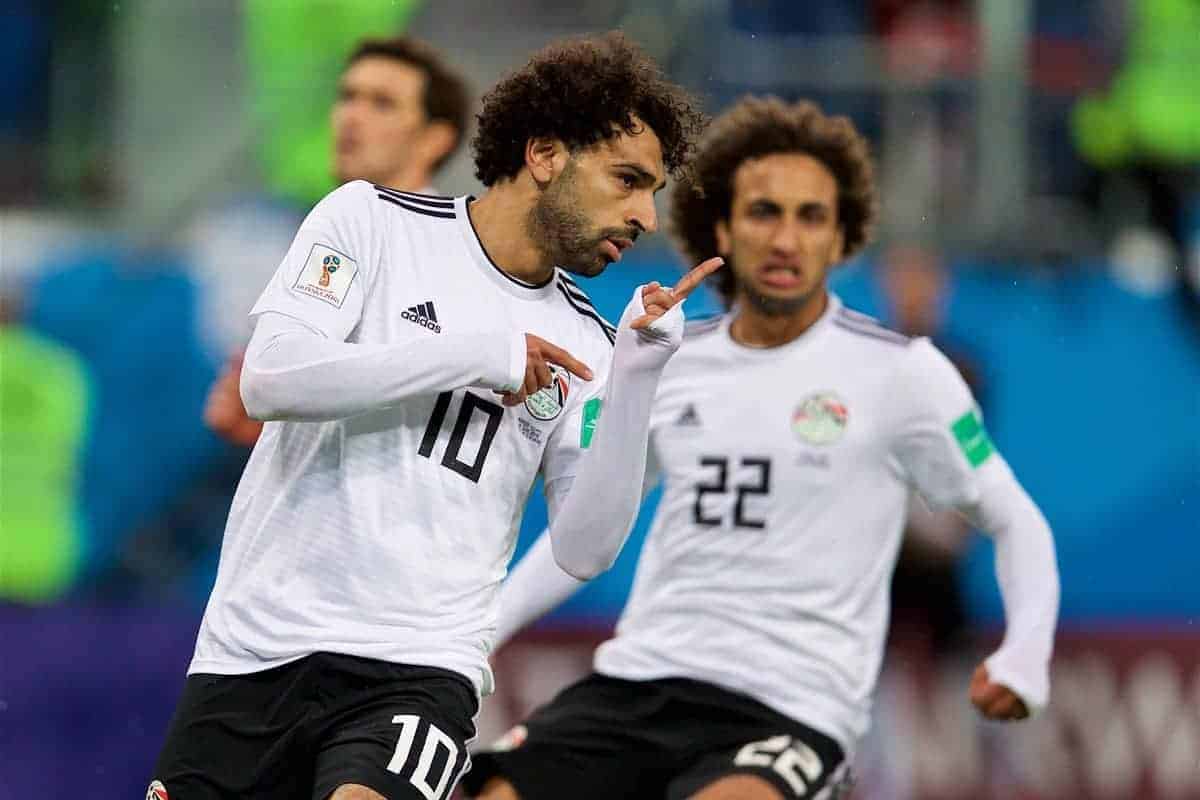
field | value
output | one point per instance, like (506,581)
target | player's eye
(813,213)
(628,181)
(763,210)
(383,103)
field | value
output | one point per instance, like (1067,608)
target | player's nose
(347,112)
(643,214)
(786,237)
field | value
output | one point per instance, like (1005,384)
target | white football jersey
(786,474)
(386,535)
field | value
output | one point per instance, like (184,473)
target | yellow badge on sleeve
(327,275)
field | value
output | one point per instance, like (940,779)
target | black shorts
(306,728)
(605,737)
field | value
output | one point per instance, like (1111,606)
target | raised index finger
(696,277)
(566,360)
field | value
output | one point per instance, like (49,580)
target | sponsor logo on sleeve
(591,413)
(157,791)
(327,275)
(972,437)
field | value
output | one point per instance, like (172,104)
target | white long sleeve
(293,372)
(537,585)
(587,533)
(1028,575)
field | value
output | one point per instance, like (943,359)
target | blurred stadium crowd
(1041,169)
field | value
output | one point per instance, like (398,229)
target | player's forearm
(291,372)
(537,585)
(1027,571)
(588,532)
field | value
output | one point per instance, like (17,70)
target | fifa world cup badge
(329,265)
(327,275)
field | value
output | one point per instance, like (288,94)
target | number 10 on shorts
(435,739)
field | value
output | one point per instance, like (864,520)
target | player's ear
(545,158)
(724,241)
(438,140)
(839,246)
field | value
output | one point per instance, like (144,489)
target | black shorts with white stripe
(305,728)
(605,737)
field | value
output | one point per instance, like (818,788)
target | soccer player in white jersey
(400,114)
(786,434)
(419,361)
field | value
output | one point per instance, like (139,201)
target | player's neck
(754,328)
(499,220)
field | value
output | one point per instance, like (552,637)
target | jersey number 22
(760,485)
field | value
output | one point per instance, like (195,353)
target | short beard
(774,306)
(559,231)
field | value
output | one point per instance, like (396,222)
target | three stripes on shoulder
(851,321)
(580,302)
(863,325)
(427,204)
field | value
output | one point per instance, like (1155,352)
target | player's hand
(539,354)
(658,299)
(224,412)
(995,700)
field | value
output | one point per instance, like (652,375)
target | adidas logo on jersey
(689,417)
(423,315)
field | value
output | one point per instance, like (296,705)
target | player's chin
(791,295)
(589,268)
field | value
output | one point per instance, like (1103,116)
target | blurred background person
(400,114)
(43,414)
(927,601)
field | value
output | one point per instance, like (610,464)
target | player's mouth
(781,276)
(345,145)
(613,247)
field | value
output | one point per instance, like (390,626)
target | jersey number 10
(470,405)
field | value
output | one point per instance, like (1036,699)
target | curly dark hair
(760,126)
(583,91)
(447,96)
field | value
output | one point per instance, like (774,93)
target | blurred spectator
(927,38)
(24,95)
(144,445)
(1151,112)
(295,51)
(1143,136)
(43,409)
(400,114)
(926,600)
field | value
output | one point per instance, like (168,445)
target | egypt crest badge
(820,418)
(546,404)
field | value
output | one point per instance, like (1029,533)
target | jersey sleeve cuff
(516,363)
